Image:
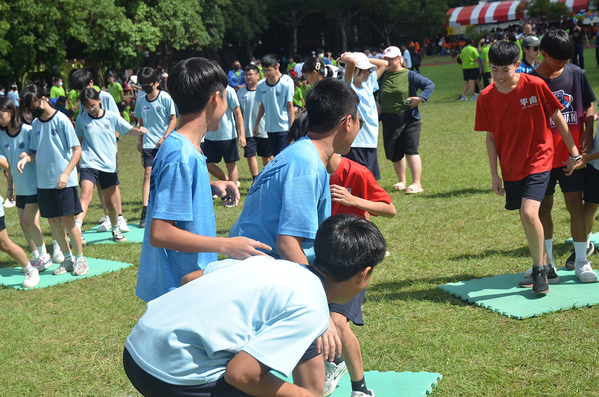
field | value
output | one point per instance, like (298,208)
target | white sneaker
(42,262)
(117,236)
(80,267)
(463,98)
(105,226)
(362,394)
(65,266)
(333,374)
(584,272)
(57,256)
(473,98)
(8,203)
(32,278)
(123,224)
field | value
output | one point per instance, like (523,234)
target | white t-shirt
(369,134)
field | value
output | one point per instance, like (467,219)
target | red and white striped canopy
(501,11)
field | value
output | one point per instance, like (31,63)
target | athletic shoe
(117,236)
(552,277)
(463,98)
(572,258)
(65,266)
(539,277)
(142,221)
(584,272)
(42,262)
(32,278)
(8,203)
(333,374)
(57,256)
(80,267)
(473,98)
(123,224)
(105,226)
(362,394)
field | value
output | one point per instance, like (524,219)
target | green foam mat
(134,235)
(594,239)
(502,294)
(13,278)
(391,384)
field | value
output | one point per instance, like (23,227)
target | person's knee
(147,173)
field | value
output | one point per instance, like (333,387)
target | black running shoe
(572,258)
(552,277)
(540,283)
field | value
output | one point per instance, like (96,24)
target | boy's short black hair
(269,61)
(468,40)
(251,67)
(558,44)
(147,75)
(345,245)
(328,102)
(297,58)
(299,128)
(192,83)
(81,78)
(61,99)
(31,94)
(57,79)
(87,94)
(504,53)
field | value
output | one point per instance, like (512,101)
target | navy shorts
(21,201)
(150,386)
(310,353)
(401,135)
(532,187)
(2,224)
(352,310)
(148,157)
(568,184)
(277,142)
(367,157)
(591,185)
(255,145)
(217,150)
(105,179)
(59,202)
(471,74)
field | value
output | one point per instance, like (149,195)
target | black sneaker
(539,276)
(552,277)
(571,259)
(142,221)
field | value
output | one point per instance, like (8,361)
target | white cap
(392,52)
(362,61)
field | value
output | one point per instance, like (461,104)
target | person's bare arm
(586,138)
(290,112)
(258,118)
(350,66)
(24,159)
(290,248)
(564,131)
(239,125)
(343,196)
(170,128)
(63,179)
(492,153)
(191,276)
(381,66)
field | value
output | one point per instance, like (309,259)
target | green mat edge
(75,278)
(594,239)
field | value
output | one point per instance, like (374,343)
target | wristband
(576,158)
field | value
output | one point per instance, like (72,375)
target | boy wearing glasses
(531,51)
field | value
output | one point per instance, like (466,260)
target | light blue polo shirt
(271,309)
(227,130)
(275,99)
(11,148)
(156,115)
(99,140)
(52,141)
(249,108)
(179,191)
(107,103)
(290,196)
(368,136)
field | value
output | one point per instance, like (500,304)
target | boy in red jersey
(514,111)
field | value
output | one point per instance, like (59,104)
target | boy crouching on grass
(514,111)
(181,233)
(184,346)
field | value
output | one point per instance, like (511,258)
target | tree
(539,8)
(290,13)
(246,20)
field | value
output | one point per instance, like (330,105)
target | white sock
(77,257)
(28,268)
(589,240)
(580,249)
(55,245)
(79,224)
(35,254)
(549,248)
(42,249)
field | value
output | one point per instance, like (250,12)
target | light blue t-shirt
(271,309)
(595,163)
(99,140)
(408,58)
(107,103)
(368,136)
(52,141)
(156,115)
(290,196)
(249,108)
(227,130)
(179,191)
(275,99)
(11,148)
(14,96)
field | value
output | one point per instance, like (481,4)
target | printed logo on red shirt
(529,102)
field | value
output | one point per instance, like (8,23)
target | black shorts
(21,201)
(471,74)
(217,150)
(401,135)
(277,142)
(59,202)
(106,179)
(486,79)
(568,184)
(151,386)
(352,310)
(367,157)
(148,157)
(532,187)
(2,224)
(255,145)
(591,185)
(310,353)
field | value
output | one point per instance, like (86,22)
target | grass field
(67,340)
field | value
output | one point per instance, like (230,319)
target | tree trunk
(97,69)
(249,47)
(343,30)
(294,46)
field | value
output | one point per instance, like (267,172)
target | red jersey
(519,121)
(360,182)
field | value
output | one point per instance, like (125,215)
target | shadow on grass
(522,252)
(459,193)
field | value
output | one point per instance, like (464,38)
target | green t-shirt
(469,55)
(115,90)
(298,95)
(484,54)
(395,89)
(126,114)
(57,91)
(73,96)
(290,66)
